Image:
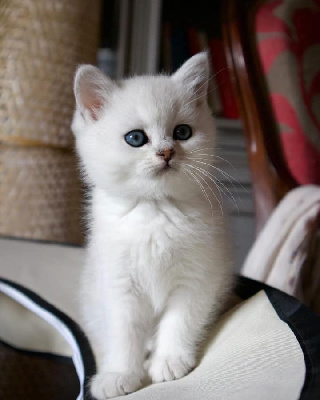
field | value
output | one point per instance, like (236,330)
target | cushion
(266,346)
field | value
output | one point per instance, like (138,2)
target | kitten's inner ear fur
(194,74)
(92,90)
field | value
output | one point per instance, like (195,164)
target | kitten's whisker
(216,181)
(207,174)
(202,189)
(230,178)
(220,205)
(202,148)
(226,188)
(199,170)
(205,154)
(218,157)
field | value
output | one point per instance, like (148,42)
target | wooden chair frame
(271,178)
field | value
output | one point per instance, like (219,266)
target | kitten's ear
(194,74)
(92,90)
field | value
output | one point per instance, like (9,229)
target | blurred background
(42,42)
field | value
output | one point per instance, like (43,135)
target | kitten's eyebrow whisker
(206,83)
(209,79)
(222,69)
(207,93)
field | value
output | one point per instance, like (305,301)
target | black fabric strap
(303,322)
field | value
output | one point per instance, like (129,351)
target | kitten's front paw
(171,367)
(106,385)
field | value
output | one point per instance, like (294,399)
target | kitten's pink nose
(167,154)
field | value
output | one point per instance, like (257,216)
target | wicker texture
(41,42)
(40,194)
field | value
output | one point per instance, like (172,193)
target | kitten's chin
(165,170)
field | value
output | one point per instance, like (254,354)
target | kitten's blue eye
(136,138)
(182,132)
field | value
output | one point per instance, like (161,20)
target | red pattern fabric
(288,37)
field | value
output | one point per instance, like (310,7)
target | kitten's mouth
(164,169)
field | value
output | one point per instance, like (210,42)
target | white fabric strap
(59,326)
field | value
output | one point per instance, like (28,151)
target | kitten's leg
(181,328)
(120,365)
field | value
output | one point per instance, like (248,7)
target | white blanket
(286,254)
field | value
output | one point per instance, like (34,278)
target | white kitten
(157,265)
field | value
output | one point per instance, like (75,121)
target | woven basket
(40,194)
(41,42)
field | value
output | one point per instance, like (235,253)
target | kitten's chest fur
(153,245)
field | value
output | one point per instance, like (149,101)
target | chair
(270,48)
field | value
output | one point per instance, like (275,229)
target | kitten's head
(137,137)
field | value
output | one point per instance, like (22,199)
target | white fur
(158,263)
